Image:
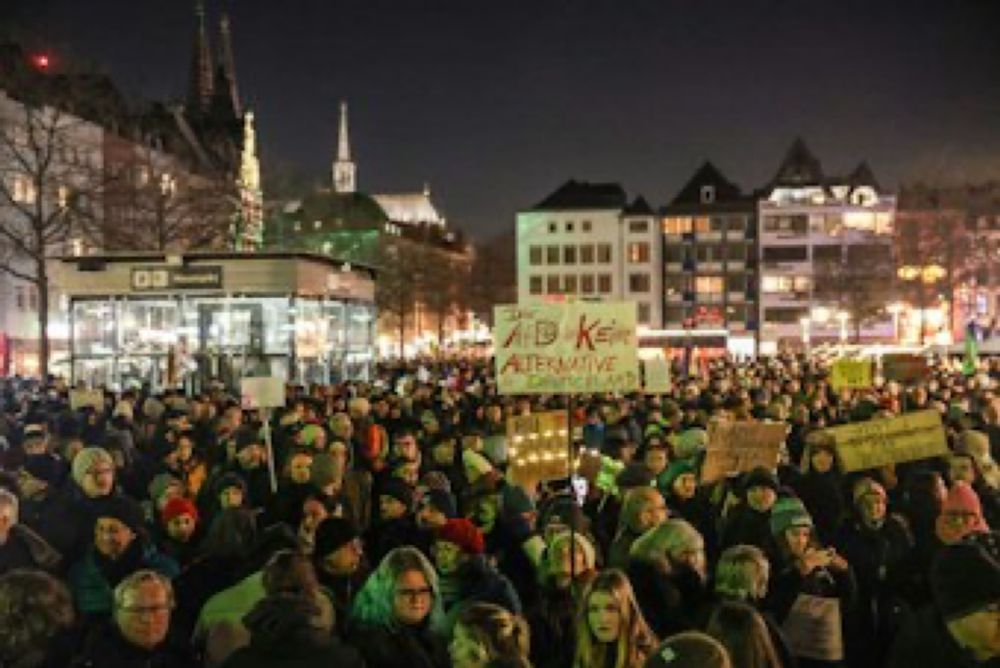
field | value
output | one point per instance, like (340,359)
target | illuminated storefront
(174,321)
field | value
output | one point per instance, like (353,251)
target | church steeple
(228,65)
(344,169)
(200,78)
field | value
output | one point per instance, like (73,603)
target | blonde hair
(503,634)
(635,639)
(742,573)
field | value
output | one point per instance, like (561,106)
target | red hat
(463,533)
(178,506)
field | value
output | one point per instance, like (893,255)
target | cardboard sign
(904,368)
(82,398)
(262,392)
(738,447)
(874,443)
(656,375)
(565,348)
(537,448)
(848,374)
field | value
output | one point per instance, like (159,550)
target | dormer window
(707,194)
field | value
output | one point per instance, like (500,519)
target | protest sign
(262,392)
(848,374)
(656,375)
(566,348)
(83,398)
(738,447)
(904,368)
(537,447)
(874,443)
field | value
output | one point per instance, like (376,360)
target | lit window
(638,252)
(701,224)
(708,285)
(535,285)
(677,225)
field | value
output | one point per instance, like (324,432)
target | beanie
(673,472)
(228,480)
(690,443)
(332,534)
(961,500)
(788,512)
(397,489)
(761,477)
(464,534)
(964,578)
(86,459)
(121,508)
(178,506)
(441,501)
(865,487)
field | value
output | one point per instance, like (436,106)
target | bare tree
(492,279)
(400,279)
(860,283)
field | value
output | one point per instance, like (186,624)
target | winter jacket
(924,641)
(26,549)
(746,526)
(478,582)
(106,648)
(399,647)
(93,579)
(282,635)
(672,598)
(823,496)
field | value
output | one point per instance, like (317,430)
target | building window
(737,252)
(586,226)
(736,282)
(785,284)
(569,254)
(535,256)
(604,284)
(20,298)
(23,190)
(552,285)
(676,225)
(705,253)
(535,285)
(827,254)
(675,284)
(797,225)
(638,252)
(553,227)
(587,284)
(707,194)
(785,254)
(735,224)
(638,226)
(569,284)
(32,298)
(638,282)
(569,226)
(673,253)
(785,314)
(708,285)
(701,224)
(674,314)
(643,313)
(552,255)
(587,254)
(604,253)
(736,313)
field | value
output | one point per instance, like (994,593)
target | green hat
(787,513)
(673,472)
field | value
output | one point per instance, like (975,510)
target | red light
(41,61)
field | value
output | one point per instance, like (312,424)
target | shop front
(186,321)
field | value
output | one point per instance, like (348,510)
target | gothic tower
(344,169)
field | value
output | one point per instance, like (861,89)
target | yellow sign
(86,398)
(566,348)
(851,374)
(738,447)
(537,447)
(656,375)
(874,443)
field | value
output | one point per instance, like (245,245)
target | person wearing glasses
(397,617)
(138,634)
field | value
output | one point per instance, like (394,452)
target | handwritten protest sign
(569,347)
(537,447)
(262,392)
(656,375)
(738,447)
(848,374)
(904,368)
(874,443)
(83,398)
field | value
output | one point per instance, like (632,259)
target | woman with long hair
(397,617)
(741,629)
(485,633)
(610,629)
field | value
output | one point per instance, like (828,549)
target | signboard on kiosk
(566,348)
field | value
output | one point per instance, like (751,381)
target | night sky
(496,104)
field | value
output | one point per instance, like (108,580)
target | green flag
(971,362)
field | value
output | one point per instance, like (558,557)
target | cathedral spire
(200,78)
(228,64)
(344,169)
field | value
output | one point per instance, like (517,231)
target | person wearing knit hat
(679,481)
(962,628)
(395,498)
(180,515)
(461,533)
(93,470)
(871,502)
(961,514)
(337,549)
(230,490)
(466,577)
(789,513)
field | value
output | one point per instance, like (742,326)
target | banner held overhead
(566,348)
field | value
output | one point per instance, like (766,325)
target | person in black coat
(960,628)
(821,488)
(338,558)
(465,575)
(396,525)
(748,523)
(287,631)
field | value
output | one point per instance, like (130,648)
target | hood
(285,622)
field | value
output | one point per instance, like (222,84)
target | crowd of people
(376,524)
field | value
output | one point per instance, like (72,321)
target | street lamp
(805,333)
(820,315)
(842,316)
(895,308)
